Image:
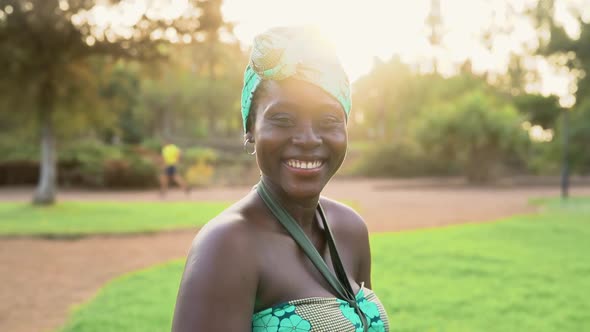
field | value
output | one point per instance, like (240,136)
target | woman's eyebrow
(282,105)
(332,107)
(285,105)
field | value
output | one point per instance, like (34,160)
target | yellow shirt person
(171,157)
(171,154)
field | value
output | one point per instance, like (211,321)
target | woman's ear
(248,137)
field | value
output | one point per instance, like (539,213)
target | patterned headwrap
(297,52)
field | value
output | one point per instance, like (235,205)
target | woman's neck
(303,210)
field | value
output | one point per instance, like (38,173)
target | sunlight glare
(361,31)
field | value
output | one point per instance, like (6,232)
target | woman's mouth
(304,164)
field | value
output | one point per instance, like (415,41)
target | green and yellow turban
(297,52)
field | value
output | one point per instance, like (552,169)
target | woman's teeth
(304,164)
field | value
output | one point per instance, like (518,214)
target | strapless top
(323,314)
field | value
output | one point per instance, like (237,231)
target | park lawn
(84,218)
(525,273)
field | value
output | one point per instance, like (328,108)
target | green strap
(336,261)
(340,282)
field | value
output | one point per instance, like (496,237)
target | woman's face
(300,136)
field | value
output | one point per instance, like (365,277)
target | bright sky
(364,29)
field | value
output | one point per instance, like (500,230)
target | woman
(284,258)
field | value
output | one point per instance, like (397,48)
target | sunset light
(381,28)
(363,31)
(294,165)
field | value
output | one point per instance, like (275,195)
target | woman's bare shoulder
(228,231)
(343,218)
(220,276)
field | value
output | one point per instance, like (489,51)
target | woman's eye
(283,121)
(330,121)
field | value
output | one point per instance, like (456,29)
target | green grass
(526,273)
(141,301)
(84,218)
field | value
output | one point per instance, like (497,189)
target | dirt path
(42,279)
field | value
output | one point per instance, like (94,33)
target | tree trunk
(46,187)
(481,164)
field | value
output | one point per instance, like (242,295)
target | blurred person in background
(285,258)
(171,155)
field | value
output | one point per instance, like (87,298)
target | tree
(434,24)
(580,138)
(384,97)
(123,89)
(572,52)
(186,104)
(46,47)
(539,110)
(565,50)
(476,130)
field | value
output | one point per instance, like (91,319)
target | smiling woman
(285,258)
(300,136)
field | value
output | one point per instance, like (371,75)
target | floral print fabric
(368,308)
(280,319)
(322,314)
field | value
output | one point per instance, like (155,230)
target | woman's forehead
(296,93)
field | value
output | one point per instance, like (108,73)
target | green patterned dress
(322,314)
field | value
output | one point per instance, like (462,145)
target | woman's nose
(306,135)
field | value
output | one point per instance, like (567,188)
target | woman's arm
(364,267)
(218,287)
(351,231)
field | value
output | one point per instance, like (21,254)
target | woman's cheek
(338,138)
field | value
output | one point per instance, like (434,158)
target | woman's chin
(302,191)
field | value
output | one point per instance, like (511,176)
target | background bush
(92,164)
(85,163)
(398,160)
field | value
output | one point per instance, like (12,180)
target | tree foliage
(384,97)
(47,49)
(476,130)
(538,109)
(190,100)
(438,125)
(571,51)
(580,138)
(574,53)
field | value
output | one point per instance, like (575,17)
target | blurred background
(463,111)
